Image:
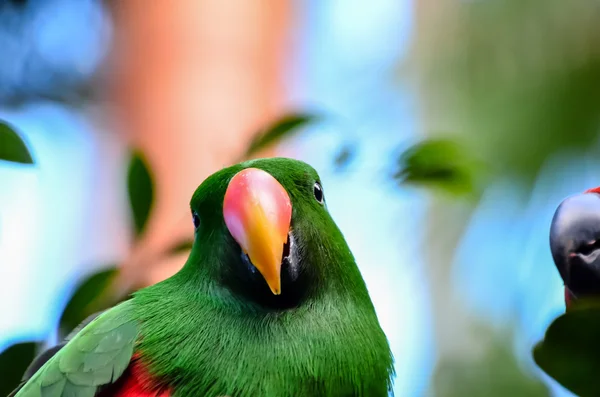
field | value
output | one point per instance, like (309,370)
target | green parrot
(269,303)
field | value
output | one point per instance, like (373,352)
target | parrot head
(575,244)
(263,232)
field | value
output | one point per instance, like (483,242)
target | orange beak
(258,212)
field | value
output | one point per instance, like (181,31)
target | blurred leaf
(344,157)
(180,247)
(438,162)
(12,147)
(141,190)
(570,351)
(13,364)
(283,127)
(87,299)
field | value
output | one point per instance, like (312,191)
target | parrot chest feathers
(301,352)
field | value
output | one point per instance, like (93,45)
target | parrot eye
(318,192)
(196,219)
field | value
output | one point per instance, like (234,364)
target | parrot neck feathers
(201,339)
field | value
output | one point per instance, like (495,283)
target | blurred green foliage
(439,163)
(141,190)
(86,299)
(13,364)
(12,147)
(15,359)
(94,293)
(282,128)
(97,292)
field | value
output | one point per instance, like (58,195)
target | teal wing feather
(96,356)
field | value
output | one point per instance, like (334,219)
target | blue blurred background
(460,273)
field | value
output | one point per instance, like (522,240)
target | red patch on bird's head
(594,190)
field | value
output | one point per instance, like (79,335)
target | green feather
(96,356)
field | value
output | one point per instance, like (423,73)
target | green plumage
(203,333)
(96,356)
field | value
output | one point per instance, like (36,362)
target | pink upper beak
(258,212)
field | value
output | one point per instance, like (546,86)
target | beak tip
(275,289)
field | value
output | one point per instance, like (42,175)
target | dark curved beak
(575,244)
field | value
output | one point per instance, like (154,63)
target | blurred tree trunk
(192,81)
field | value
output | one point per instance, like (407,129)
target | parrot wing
(94,357)
(41,359)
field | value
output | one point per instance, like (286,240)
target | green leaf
(13,364)
(180,247)
(438,162)
(12,147)
(89,297)
(284,127)
(570,351)
(141,190)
